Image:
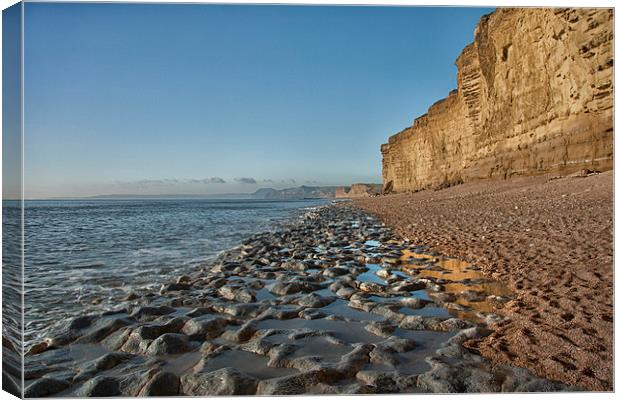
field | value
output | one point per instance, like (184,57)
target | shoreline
(550,240)
(332,303)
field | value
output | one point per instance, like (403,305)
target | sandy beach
(550,240)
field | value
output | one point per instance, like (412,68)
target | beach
(332,302)
(550,240)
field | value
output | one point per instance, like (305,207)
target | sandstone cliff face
(535,95)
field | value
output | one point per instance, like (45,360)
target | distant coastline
(294,193)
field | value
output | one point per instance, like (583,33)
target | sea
(83,256)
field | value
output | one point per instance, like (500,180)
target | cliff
(296,193)
(358,190)
(535,95)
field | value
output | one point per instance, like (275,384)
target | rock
(417,322)
(233,292)
(101,386)
(459,378)
(45,387)
(289,385)
(174,287)
(345,292)
(334,272)
(371,287)
(105,362)
(413,302)
(283,288)
(243,334)
(364,305)
(223,382)
(37,348)
(315,301)
(386,382)
(311,313)
(148,312)
(487,87)
(103,329)
(169,343)
(453,324)
(380,328)
(395,344)
(204,327)
(163,383)
(383,273)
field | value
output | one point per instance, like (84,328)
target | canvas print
(235,199)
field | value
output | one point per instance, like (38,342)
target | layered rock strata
(535,95)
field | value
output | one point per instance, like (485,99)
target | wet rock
(104,329)
(334,272)
(380,356)
(345,292)
(354,361)
(291,384)
(351,388)
(82,322)
(386,381)
(413,302)
(45,387)
(453,324)
(101,386)
(284,288)
(417,322)
(163,383)
(204,327)
(380,328)
(311,313)
(389,311)
(169,343)
(371,287)
(174,287)
(363,305)
(105,362)
(236,293)
(313,300)
(149,312)
(37,348)
(444,297)
(383,273)
(491,319)
(396,344)
(223,382)
(197,312)
(244,333)
(459,378)
(278,355)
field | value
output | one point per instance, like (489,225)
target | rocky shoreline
(332,303)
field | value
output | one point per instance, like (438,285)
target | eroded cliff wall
(535,95)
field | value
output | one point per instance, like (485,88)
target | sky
(205,99)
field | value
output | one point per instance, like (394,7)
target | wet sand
(550,240)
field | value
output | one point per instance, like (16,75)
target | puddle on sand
(249,363)
(351,332)
(456,271)
(180,364)
(427,312)
(370,275)
(320,346)
(264,294)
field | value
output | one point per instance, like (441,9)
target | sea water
(83,256)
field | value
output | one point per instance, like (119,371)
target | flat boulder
(222,382)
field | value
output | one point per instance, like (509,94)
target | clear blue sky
(151,99)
